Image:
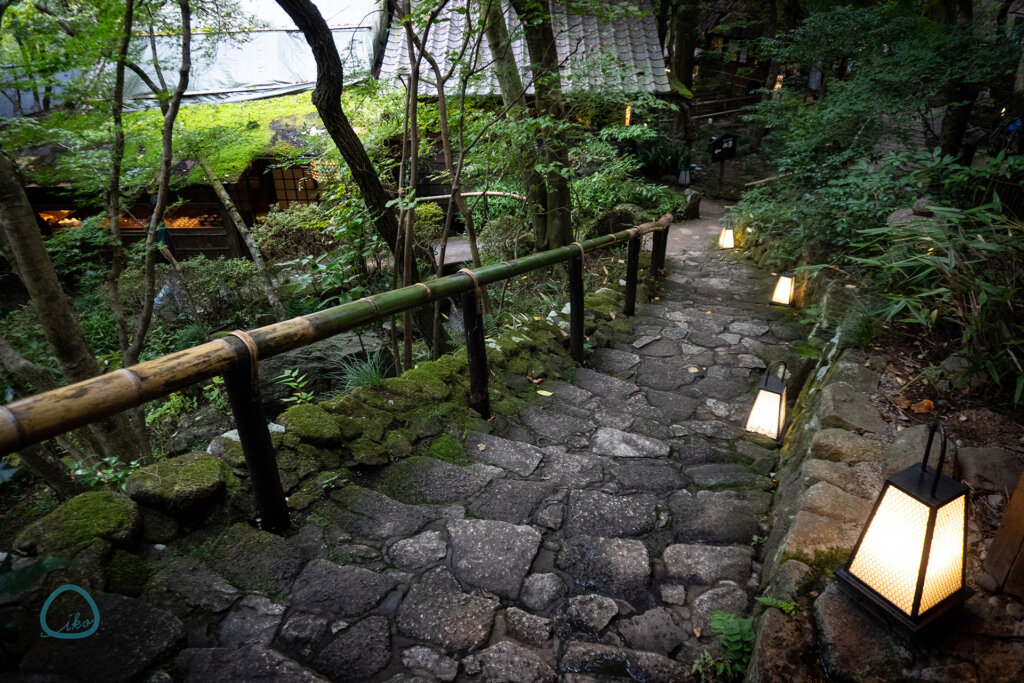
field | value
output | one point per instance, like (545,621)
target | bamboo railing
(36,418)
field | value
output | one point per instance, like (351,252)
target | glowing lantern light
(768,416)
(909,560)
(629,112)
(725,239)
(783,293)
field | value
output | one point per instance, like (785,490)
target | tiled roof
(623,54)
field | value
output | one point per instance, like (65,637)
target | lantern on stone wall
(909,560)
(783,294)
(768,416)
(725,238)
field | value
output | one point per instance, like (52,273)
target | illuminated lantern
(768,416)
(909,560)
(725,239)
(783,293)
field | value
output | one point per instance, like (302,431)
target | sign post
(721,148)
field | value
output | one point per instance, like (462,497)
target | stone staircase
(592,538)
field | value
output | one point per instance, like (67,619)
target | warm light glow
(889,557)
(778,82)
(783,290)
(629,112)
(944,575)
(768,414)
(725,239)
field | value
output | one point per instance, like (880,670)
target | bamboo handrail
(36,418)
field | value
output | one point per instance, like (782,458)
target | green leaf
(14,581)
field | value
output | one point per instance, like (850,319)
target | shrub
(293,232)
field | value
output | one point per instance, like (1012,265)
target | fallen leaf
(900,380)
(481,447)
(963,418)
(923,406)
(893,370)
(696,631)
(901,401)
(612,314)
(544,393)
(536,381)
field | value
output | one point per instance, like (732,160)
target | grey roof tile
(585,43)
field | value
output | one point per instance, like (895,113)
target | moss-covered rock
(255,560)
(366,451)
(127,574)
(604,302)
(186,487)
(96,514)
(316,488)
(446,447)
(230,451)
(372,424)
(158,527)
(311,423)
(307,459)
(398,443)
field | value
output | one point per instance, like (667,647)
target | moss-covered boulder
(127,574)
(97,514)
(186,487)
(255,560)
(306,459)
(312,424)
(366,451)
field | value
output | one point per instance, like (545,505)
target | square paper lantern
(909,560)
(768,416)
(783,294)
(725,239)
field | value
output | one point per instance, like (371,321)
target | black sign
(723,147)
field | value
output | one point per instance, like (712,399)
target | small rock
(493,555)
(606,661)
(435,610)
(725,598)
(618,444)
(360,651)
(339,590)
(594,513)
(844,446)
(506,661)
(253,663)
(550,516)
(612,566)
(300,634)
(513,456)
(591,612)
(657,630)
(527,628)
(427,661)
(540,590)
(707,564)
(843,406)
(673,595)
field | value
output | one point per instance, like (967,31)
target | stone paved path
(593,539)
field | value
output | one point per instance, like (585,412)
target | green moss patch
(311,423)
(184,487)
(127,574)
(96,514)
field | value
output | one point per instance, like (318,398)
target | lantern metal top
(929,485)
(769,382)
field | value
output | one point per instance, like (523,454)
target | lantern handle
(768,372)
(942,453)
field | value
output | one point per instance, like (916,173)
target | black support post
(632,266)
(243,395)
(476,351)
(658,252)
(576,308)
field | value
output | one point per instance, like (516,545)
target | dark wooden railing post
(476,352)
(632,266)
(243,395)
(576,307)
(658,252)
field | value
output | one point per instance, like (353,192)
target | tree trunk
(757,130)
(327,100)
(540,42)
(52,308)
(513,94)
(243,231)
(170,114)
(684,40)
(961,96)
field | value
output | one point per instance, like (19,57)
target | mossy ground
(823,566)
(96,514)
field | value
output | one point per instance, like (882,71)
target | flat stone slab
(614,362)
(130,638)
(509,500)
(708,564)
(372,515)
(619,444)
(749,329)
(674,406)
(196,583)
(435,610)
(592,513)
(719,475)
(845,446)
(615,567)
(810,532)
(666,374)
(254,663)
(658,630)
(513,456)
(527,628)
(419,551)
(570,469)
(420,480)
(568,393)
(824,499)
(605,386)
(357,652)
(337,590)
(552,426)
(713,517)
(492,555)
(659,348)
(607,660)
(843,406)
(507,661)
(647,475)
(253,621)
(430,662)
